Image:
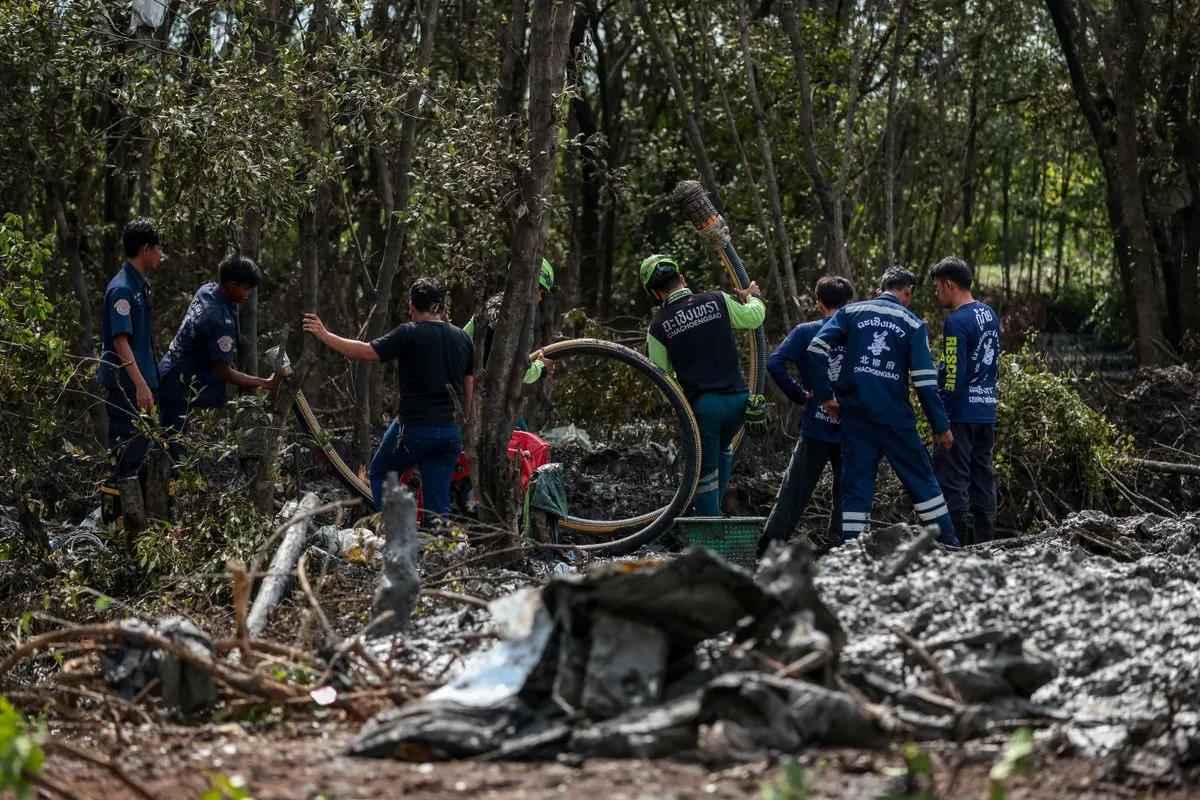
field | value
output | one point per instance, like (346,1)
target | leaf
(102,603)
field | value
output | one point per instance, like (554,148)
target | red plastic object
(533,450)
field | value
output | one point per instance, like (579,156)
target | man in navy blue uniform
(435,362)
(199,361)
(970,364)
(820,442)
(128,366)
(885,344)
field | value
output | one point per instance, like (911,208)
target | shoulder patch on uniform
(122,307)
(225,343)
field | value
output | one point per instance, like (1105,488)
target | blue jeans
(435,449)
(719,417)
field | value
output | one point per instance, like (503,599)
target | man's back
(972,363)
(885,344)
(206,337)
(697,332)
(429,356)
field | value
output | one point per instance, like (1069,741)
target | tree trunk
(690,127)
(889,145)
(512,64)
(968,237)
(808,135)
(499,397)
(1005,238)
(947,223)
(788,288)
(251,243)
(395,188)
(1064,194)
(1118,151)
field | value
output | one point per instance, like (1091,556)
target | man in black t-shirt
(434,360)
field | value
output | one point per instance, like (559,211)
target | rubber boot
(985,525)
(962,528)
(110,503)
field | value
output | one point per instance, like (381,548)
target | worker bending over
(491,310)
(691,337)
(970,364)
(820,439)
(435,362)
(885,344)
(199,362)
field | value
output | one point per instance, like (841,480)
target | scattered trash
(569,436)
(324,696)
(606,663)
(184,687)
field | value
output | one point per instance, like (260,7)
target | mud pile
(1162,411)
(1111,603)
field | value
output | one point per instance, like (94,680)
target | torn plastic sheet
(499,673)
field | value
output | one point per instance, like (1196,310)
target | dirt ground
(304,765)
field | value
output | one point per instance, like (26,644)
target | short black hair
(237,268)
(954,269)
(834,291)
(427,295)
(666,281)
(897,278)
(139,233)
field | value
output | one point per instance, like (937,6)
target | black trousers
(802,476)
(965,471)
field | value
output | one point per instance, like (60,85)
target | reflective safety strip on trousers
(932,509)
(709,483)
(855,521)
(928,504)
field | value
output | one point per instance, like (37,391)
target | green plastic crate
(733,538)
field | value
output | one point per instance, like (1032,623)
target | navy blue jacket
(207,337)
(970,363)
(127,311)
(885,344)
(817,423)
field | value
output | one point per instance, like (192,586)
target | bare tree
(498,401)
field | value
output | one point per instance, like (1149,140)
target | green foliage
(792,781)
(1017,759)
(34,367)
(1047,435)
(603,392)
(917,775)
(20,752)
(223,787)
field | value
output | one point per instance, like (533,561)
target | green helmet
(654,269)
(546,277)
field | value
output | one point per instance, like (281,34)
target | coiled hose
(649,526)
(653,524)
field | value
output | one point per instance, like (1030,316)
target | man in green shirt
(691,337)
(491,310)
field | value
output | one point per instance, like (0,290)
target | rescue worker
(820,442)
(491,310)
(691,336)
(967,374)
(885,344)
(128,368)
(434,359)
(199,362)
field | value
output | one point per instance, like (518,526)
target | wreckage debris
(605,664)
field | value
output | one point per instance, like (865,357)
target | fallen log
(295,539)
(1168,467)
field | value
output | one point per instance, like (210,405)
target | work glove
(756,415)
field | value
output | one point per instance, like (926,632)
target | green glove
(756,415)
